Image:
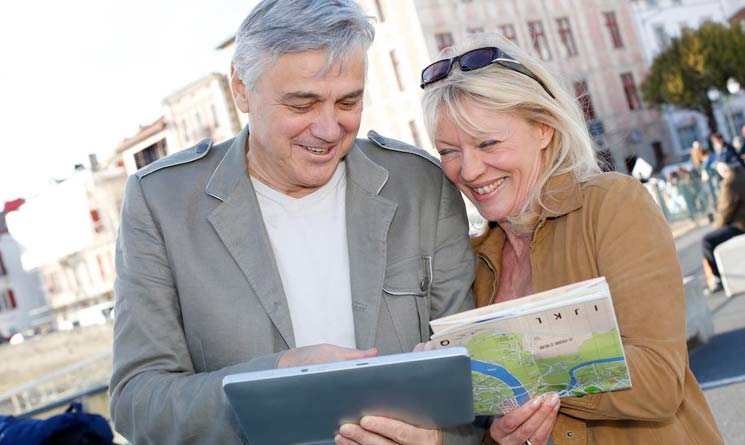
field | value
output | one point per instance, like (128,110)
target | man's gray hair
(276,27)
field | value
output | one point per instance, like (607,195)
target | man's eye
(301,107)
(348,104)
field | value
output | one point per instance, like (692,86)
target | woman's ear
(545,134)
(239,91)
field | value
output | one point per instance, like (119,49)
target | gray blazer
(198,294)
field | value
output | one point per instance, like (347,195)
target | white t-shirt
(309,239)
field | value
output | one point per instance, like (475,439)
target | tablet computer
(306,405)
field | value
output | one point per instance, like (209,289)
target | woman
(516,145)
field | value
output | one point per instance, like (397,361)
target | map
(565,341)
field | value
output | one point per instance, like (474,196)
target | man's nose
(326,127)
(472,166)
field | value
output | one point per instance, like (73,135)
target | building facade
(591,45)
(202,109)
(23,304)
(68,235)
(658,22)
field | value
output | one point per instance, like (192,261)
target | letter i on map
(564,340)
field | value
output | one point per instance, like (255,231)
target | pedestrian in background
(730,220)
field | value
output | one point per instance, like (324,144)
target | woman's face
(497,166)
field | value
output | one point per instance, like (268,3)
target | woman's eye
(488,144)
(446,152)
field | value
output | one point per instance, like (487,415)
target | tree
(694,62)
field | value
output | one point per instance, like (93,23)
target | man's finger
(359,435)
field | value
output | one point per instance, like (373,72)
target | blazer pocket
(407,285)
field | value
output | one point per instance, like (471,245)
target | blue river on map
(521,395)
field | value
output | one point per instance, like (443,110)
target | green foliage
(693,63)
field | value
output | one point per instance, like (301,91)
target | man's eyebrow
(352,95)
(300,95)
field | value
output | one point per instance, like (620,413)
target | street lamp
(714,95)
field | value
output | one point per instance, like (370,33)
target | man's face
(302,123)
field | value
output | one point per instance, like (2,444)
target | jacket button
(570,433)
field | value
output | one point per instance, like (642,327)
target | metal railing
(90,376)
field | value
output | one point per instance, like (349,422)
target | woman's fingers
(523,422)
(543,433)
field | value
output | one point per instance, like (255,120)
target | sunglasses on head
(473,60)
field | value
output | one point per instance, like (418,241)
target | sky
(79,76)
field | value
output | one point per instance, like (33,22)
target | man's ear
(239,90)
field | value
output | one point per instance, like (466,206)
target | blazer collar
(231,169)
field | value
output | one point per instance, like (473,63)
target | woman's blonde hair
(502,89)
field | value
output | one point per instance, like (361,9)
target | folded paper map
(564,340)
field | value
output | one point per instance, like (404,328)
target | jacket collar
(240,226)
(231,169)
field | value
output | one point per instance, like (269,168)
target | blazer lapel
(369,217)
(239,225)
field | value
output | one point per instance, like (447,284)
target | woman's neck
(519,242)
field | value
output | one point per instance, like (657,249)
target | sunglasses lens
(476,59)
(435,72)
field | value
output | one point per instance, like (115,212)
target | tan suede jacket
(610,226)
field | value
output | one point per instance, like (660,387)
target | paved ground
(719,365)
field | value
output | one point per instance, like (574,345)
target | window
(215,120)
(184,131)
(612,24)
(151,153)
(652,3)
(475,30)
(677,2)
(567,38)
(415,134)
(538,37)
(582,93)
(379,10)
(687,134)
(629,88)
(444,40)
(663,40)
(395,63)
(3,270)
(96,219)
(101,269)
(7,300)
(508,31)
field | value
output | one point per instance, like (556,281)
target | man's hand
(533,421)
(312,355)
(385,431)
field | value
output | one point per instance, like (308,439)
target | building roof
(738,16)
(226,43)
(145,132)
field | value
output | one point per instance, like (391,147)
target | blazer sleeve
(453,274)
(156,395)
(635,252)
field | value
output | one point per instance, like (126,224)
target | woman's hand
(531,423)
(384,431)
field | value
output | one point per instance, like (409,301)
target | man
(730,221)
(725,152)
(291,244)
